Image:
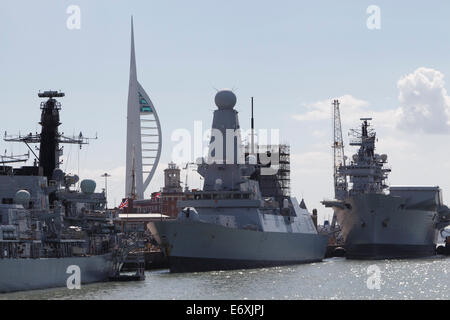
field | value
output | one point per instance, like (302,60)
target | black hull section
(183,264)
(388,251)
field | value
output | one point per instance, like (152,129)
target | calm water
(334,278)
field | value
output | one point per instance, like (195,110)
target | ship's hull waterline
(194,246)
(33,274)
(377,226)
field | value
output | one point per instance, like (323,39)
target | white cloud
(311,161)
(424,103)
(321,110)
(424,106)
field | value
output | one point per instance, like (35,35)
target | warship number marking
(234,309)
(74,280)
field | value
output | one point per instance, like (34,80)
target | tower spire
(143,134)
(133,75)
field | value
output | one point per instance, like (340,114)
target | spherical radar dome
(22,197)
(88,186)
(225,99)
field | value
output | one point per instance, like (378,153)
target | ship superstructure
(378,221)
(47,225)
(244,217)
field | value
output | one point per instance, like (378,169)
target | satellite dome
(22,197)
(58,174)
(251,159)
(88,186)
(225,99)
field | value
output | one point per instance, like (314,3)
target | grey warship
(378,221)
(49,230)
(242,218)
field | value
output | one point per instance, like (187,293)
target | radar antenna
(49,138)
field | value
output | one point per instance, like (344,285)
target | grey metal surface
(30,274)
(379,222)
(229,224)
(48,224)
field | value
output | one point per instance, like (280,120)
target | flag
(124,204)
(156,195)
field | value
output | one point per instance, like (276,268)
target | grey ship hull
(376,226)
(31,274)
(193,246)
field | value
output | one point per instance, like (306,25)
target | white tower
(143,135)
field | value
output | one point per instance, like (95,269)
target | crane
(340,181)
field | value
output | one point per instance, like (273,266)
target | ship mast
(252,124)
(49,139)
(340,181)
(133,177)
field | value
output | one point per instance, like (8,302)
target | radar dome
(225,99)
(88,186)
(22,197)
(251,159)
(58,174)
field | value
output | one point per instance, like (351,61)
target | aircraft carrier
(244,217)
(51,233)
(378,221)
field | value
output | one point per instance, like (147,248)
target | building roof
(126,216)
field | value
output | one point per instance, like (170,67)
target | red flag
(124,204)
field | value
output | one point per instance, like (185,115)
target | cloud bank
(424,105)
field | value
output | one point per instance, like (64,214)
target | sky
(293,57)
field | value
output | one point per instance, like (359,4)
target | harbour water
(334,278)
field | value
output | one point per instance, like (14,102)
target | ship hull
(376,226)
(193,246)
(32,274)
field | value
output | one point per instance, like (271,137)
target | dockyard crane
(340,181)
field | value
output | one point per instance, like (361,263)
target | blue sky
(287,54)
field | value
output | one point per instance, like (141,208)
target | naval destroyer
(243,217)
(378,221)
(52,234)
